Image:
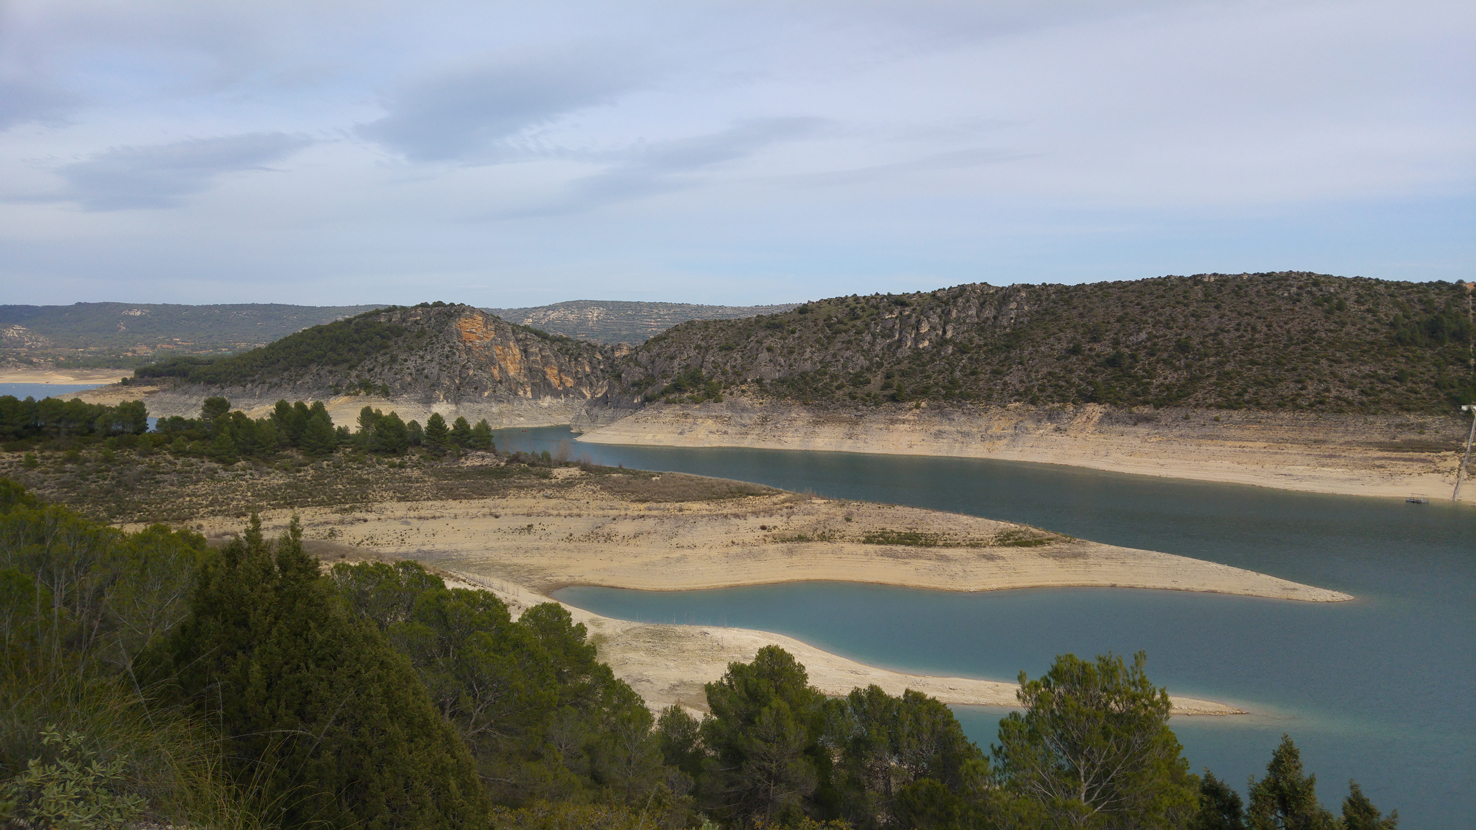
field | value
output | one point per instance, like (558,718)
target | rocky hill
(1288,341)
(607,321)
(431,355)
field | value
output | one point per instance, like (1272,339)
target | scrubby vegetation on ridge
(1280,341)
(342,345)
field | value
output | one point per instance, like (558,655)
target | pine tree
(461,432)
(1360,814)
(316,705)
(481,436)
(1094,741)
(436,433)
(1286,799)
(318,438)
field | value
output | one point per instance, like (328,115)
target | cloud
(162,175)
(23,102)
(668,166)
(950,160)
(469,113)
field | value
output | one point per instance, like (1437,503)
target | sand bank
(1388,456)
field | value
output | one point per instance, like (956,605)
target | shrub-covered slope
(609,321)
(1277,341)
(431,352)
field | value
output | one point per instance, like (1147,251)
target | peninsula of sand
(1398,456)
(675,532)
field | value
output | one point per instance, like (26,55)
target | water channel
(1381,689)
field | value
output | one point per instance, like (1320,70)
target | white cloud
(162,175)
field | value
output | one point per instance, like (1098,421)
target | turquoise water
(1382,689)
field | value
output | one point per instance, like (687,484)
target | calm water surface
(1382,689)
(42,390)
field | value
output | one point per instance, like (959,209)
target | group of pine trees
(54,419)
(226,436)
(148,677)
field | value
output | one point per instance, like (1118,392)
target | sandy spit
(1391,456)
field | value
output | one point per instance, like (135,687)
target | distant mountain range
(610,321)
(128,334)
(1288,341)
(115,335)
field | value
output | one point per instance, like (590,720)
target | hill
(431,353)
(609,321)
(88,335)
(1287,341)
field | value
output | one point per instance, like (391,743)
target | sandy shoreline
(67,376)
(1389,457)
(522,547)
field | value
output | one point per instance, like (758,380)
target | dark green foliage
(481,436)
(764,735)
(461,432)
(318,438)
(102,595)
(543,717)
(436,433)
(1093,748)
(904,762)
(341,345)
(316,702)
(1286,799)
(55,419)
(78,602)
(680,741)
(1280,341)
(391,437)
(1220,807)
(1360,814)
(214,408)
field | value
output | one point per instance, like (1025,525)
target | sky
(516,154)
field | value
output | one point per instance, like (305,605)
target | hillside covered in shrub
(1278,341)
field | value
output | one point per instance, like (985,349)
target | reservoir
(1381,689)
